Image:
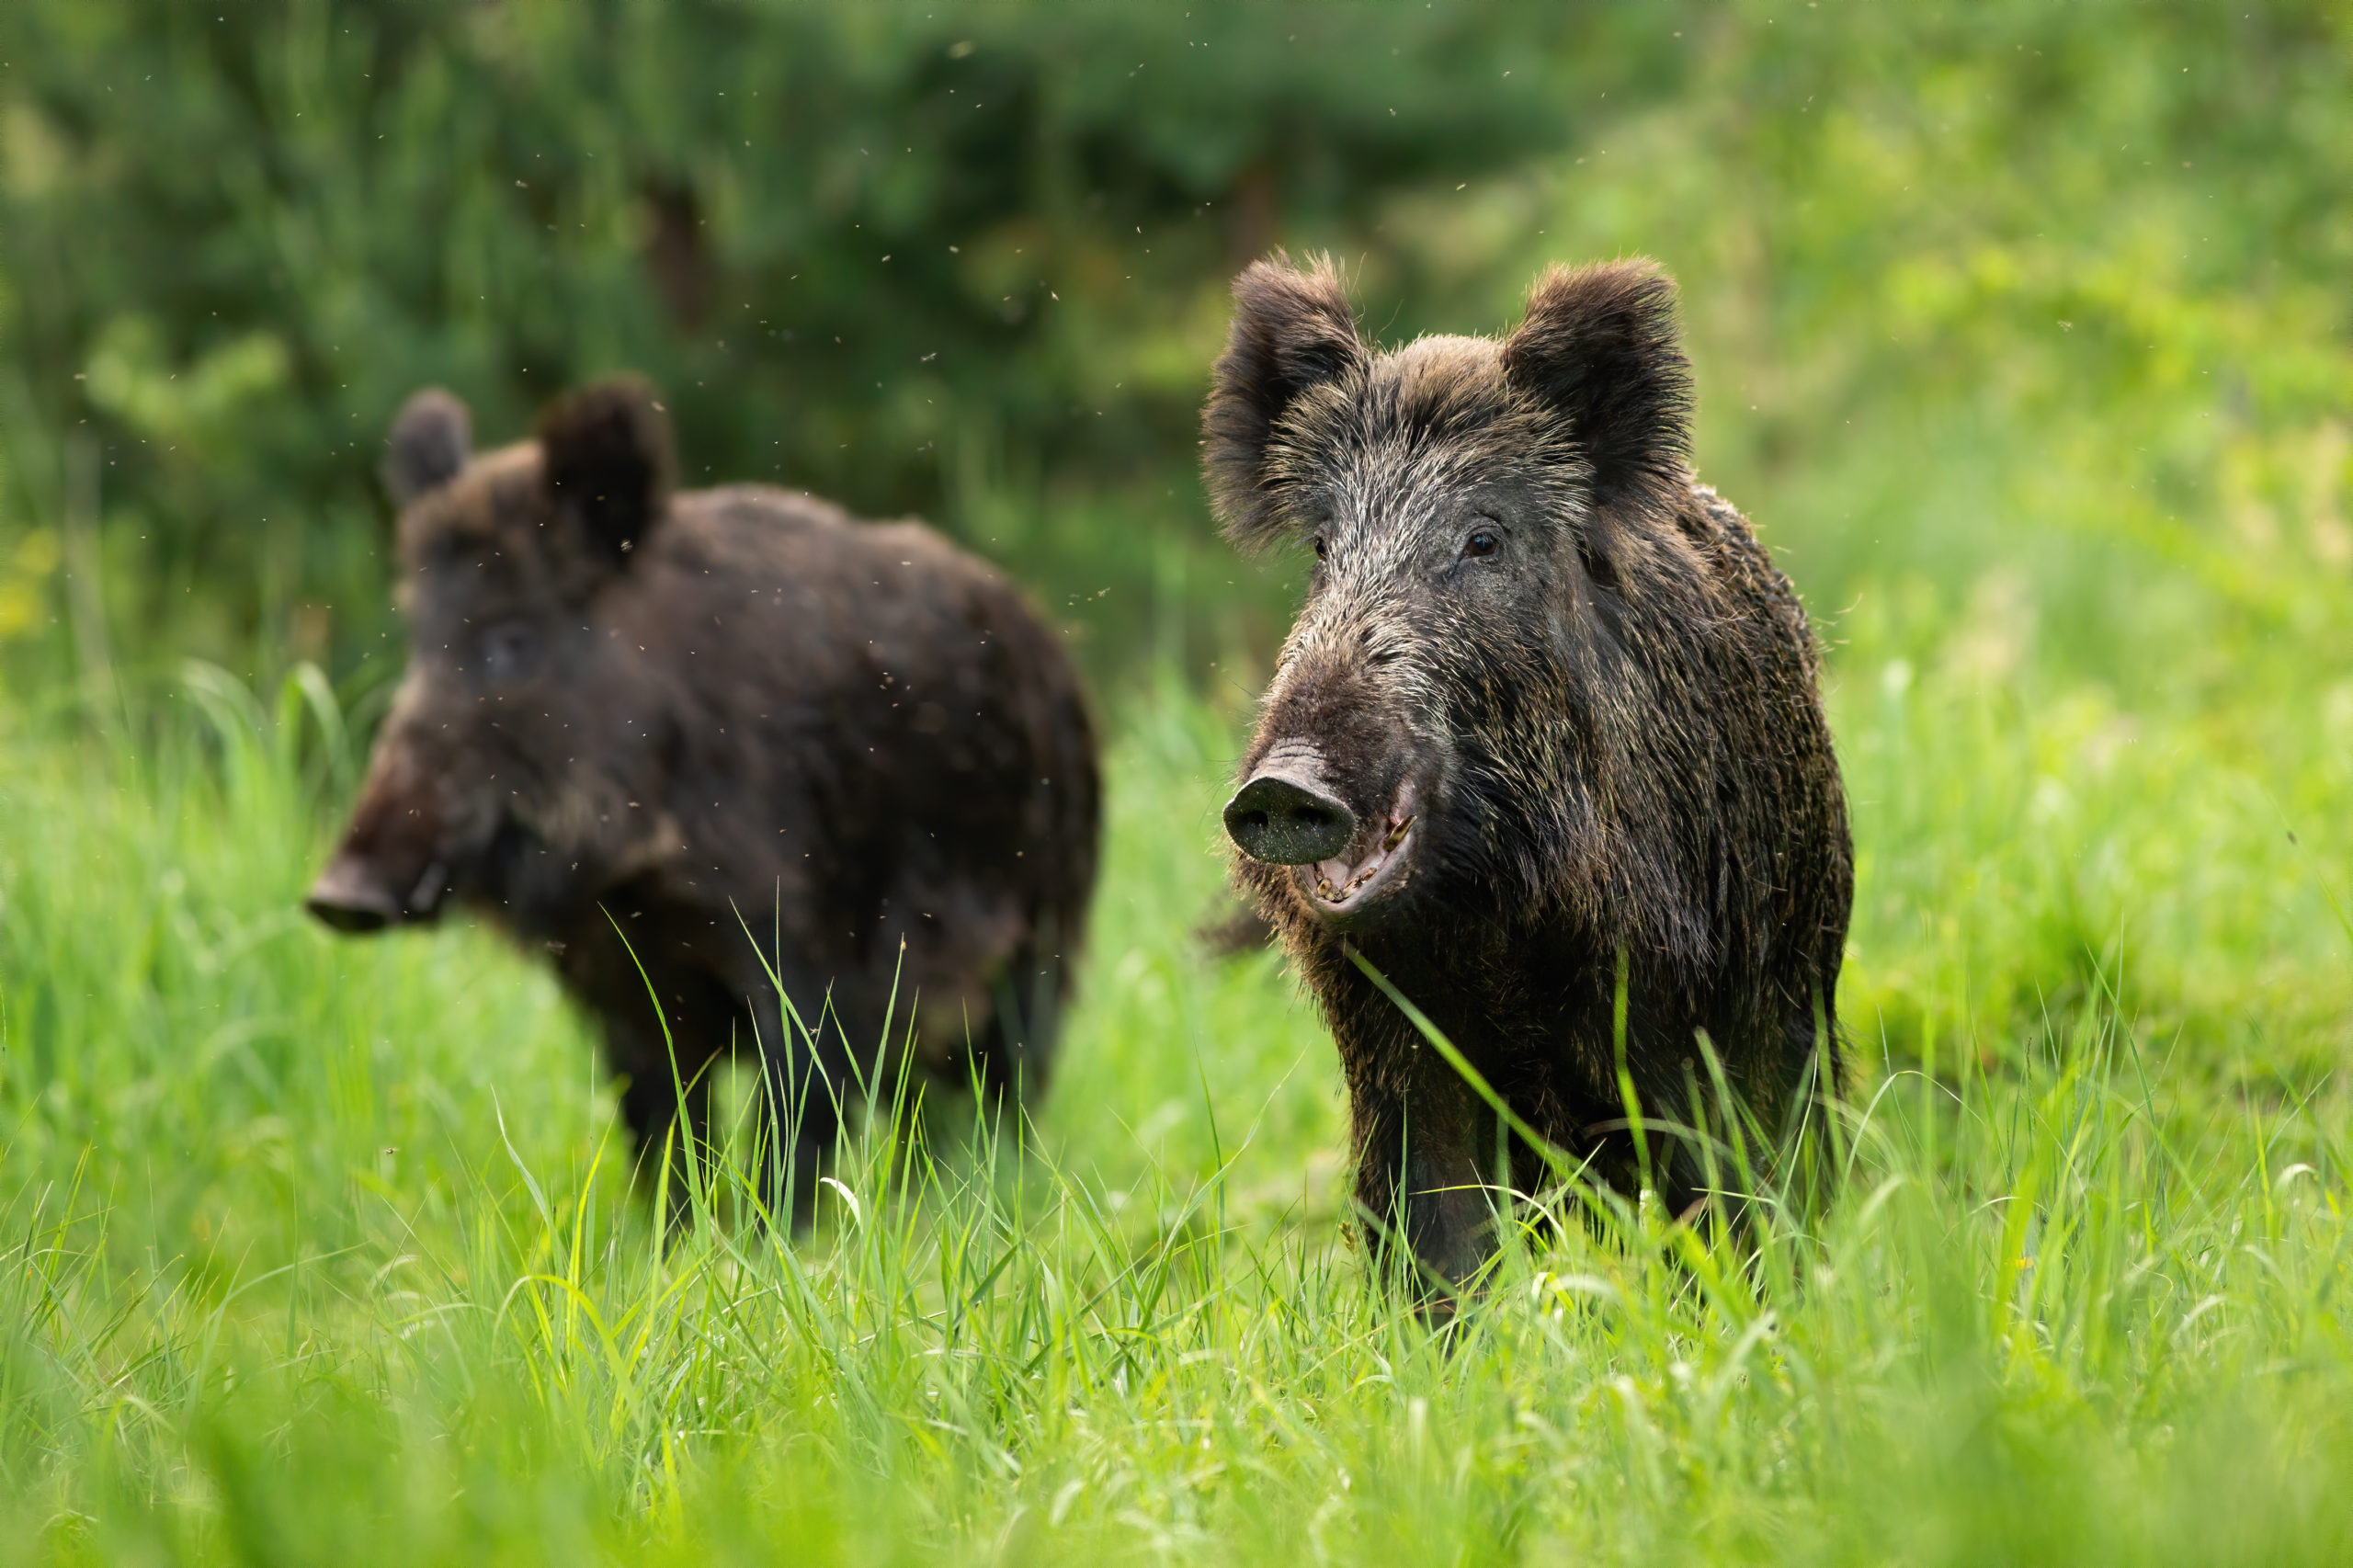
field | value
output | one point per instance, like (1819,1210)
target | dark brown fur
(637,726)
(1570,687)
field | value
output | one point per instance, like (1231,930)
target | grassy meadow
(2023,333)
(322,1249)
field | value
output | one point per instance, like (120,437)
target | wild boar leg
(654,1091)
(810,1076)
(1012,1051)
(1418,1175)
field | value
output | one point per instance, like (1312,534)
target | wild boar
(1549,715)
(675,738)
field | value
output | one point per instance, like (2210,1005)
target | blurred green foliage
(911,256)
(2056,290)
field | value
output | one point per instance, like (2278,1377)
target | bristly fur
(1292,330)
(1607,719)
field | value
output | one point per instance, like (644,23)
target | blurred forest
(2015,321)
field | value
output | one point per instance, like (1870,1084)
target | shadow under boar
(1549,710)
(708,732)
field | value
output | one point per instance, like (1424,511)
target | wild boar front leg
(1418,1177)
(810,1075)
(666,1102)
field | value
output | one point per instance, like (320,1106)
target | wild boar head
(1492,525)
(521,756)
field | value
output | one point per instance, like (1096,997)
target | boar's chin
(1377,865)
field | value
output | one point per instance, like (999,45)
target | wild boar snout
(351,897)
(391,866)
(360,893)
(1331,794)
(1332,747)
(1285,816)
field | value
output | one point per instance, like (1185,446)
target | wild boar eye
(1320,547)
(1482,542)
(509,651)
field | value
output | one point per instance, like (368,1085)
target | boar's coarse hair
(716,751)
(1549,715)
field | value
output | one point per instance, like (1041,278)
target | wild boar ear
(1601,345)
(1292,330)
(431,438)
(608,460)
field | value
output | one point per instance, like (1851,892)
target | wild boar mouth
(1371,867)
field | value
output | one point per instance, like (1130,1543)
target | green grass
(324,1251)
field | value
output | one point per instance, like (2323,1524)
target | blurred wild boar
(707,732)
(1548,708)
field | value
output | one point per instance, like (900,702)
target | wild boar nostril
(1287,822)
